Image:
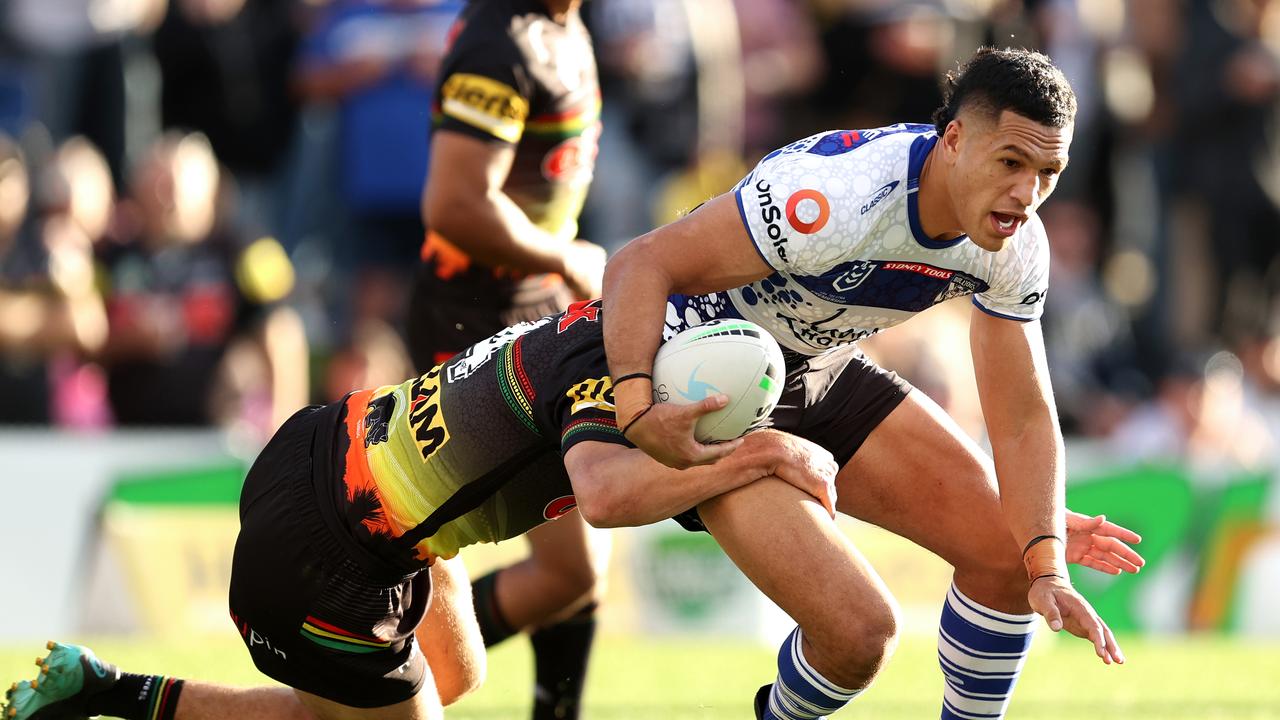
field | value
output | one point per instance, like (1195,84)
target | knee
(852,652)
(466,678)
(577,579)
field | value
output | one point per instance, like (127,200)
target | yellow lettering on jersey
(492,106)
(594,393)
(425,418)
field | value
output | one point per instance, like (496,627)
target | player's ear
(949,143)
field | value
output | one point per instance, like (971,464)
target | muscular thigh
(918,475)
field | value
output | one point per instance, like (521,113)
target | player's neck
(938,218)
(559,10)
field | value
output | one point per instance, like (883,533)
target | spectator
(224,67)
(195,336)
(48,305)
(378,62)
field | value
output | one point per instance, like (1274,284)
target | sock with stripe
(981,652)
(494,628)
(137,697)
(800,692)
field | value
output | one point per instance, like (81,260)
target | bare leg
(449,636)
(205,701)
(564,571)
(919,475)
(786,544)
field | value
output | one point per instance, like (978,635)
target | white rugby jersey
(835,215)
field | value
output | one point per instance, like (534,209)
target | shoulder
(487,32)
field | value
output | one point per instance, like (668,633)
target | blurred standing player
(512,154)
(828,241)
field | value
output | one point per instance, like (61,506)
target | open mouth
(1005,224)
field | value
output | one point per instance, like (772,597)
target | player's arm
(1017,402)
(617,486)
(464,202)
(707,250)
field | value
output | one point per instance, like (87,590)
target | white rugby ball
(735,357)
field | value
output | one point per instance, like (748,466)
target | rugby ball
(735,357)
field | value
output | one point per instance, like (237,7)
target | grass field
(1201,679)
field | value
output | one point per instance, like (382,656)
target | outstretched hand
(1064,608)
(1095,543)
(665,433)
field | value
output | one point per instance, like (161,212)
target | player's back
(475,444)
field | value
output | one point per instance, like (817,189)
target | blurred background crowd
(209,209)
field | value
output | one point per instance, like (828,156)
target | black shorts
(449,316)
(835,400)
(317,611)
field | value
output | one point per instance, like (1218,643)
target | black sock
(560,654)
(137,697)
(493,626)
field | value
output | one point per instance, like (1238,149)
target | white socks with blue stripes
(981,652)
(800,692)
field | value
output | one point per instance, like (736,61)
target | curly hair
(1024,81)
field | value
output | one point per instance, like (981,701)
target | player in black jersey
(328,583)
(516,121)
(328,578)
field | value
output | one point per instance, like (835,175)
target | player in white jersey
(832,239)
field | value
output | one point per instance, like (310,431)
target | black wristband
(634,419)
(631,376)
(1039,539)
(1041,577)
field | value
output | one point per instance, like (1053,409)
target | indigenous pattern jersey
(835,215)
(487,429)
(513,75)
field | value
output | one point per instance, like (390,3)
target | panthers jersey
(477,442)
(835,215)
(514,76)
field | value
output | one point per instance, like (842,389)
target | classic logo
(377,420)
(492,106)
(593,393)
(588,310)
(1035,297)
(881,194)
(771,214)
(429,431)
(574,159)
(854,276)
(813,205)
(559,507)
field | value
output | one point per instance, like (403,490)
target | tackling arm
(617,486)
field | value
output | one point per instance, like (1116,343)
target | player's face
(1005,168)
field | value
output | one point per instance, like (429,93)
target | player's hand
(1096,543)
(665,433)
(583,269)
(804,464)
(1064,608)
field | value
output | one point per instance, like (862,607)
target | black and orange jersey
(514,75)
(472,448)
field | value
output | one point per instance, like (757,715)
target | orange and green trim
(515,385)
(335,638)
(160,698)
(567,123)
(598,425)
